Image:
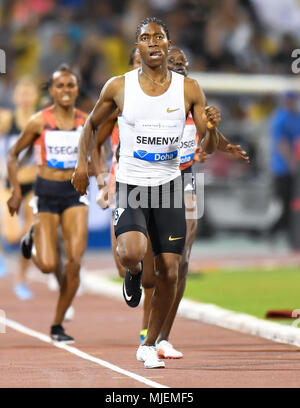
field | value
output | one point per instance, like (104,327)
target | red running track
(108,329)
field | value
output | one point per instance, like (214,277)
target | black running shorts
(158,211)
(56,196)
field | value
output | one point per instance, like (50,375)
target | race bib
(188,144)
(157,141)
(117,214)
(62,148)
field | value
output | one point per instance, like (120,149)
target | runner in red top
(54,141)
(54,132)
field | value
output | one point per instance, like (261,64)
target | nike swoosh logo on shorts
(128,298)
(172,110)
(174,239)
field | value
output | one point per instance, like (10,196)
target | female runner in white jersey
(154,103)
(189,152)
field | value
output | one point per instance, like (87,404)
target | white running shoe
(70,314)
(166,350)
(148,354)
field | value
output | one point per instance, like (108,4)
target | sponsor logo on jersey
(154,157)
(186,159)
(67,164)
(172,110)
(141,153)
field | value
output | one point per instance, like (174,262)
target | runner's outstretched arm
(29,134)
(225,146)
(109,99)
(98,154)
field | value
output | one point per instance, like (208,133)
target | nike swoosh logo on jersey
(174,239)
(128,298)
(172,110)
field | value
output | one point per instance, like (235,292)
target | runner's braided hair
(151,20)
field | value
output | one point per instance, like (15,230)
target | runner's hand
(200,155)
(102,198)
(211,116)
(237,152)
(80,181)
(14,203)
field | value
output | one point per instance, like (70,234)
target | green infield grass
(252,291)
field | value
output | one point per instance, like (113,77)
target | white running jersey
(151,128)
(188,143)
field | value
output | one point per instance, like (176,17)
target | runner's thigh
(75,230)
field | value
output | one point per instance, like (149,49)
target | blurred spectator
(227,33)
(280,16)
(23,10)
(26,48)
(59,52)
(231,35)
(285,131)
(282,58)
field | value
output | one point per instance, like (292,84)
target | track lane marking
(207,313)
(73,350)
(96,284)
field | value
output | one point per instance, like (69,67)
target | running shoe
(166,350)
(23,292)
(132,289)
(58,334)
(143,335)
(148,354)
(70,314)
(27,243)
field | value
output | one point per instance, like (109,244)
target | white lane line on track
(94,283)
(73,350)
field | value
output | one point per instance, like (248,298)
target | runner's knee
(183,269)
(130,255)
(73,269)
(167,270)
(48,266)
(148,282)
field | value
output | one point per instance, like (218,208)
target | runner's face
(153,44)
(177,62)
(64,89)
